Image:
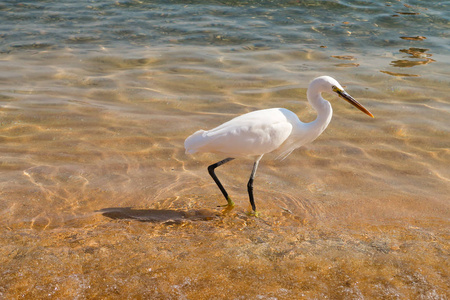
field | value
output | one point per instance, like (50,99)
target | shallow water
(99,200)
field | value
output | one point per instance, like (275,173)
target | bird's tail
(194,142)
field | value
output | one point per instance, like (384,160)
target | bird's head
(329,84)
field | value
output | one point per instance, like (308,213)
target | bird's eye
(335,89)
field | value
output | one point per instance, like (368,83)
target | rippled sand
(205,254)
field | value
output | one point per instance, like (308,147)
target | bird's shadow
(168,216)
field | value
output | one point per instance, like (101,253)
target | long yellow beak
(343,94)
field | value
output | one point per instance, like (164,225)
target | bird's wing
(254,133)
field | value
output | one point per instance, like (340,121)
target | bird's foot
(230,204)
(253,213)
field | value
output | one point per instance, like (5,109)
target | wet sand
(203,253)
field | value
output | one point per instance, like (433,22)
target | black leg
(250,184)
(216,180)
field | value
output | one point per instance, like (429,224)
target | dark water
(98,199)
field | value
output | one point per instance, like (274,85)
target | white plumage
(254,133)
(263,131)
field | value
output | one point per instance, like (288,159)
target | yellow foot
(253,214)
(229,205)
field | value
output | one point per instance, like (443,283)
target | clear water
(99,200)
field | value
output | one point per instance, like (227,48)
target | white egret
(257,133)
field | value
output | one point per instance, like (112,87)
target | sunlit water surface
(99,200)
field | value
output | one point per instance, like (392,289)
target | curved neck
(323,109)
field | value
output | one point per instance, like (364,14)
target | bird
(259,132)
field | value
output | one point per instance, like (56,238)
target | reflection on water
(98,199)
(415,53)
(399,74)
(344,57)
(413,38)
